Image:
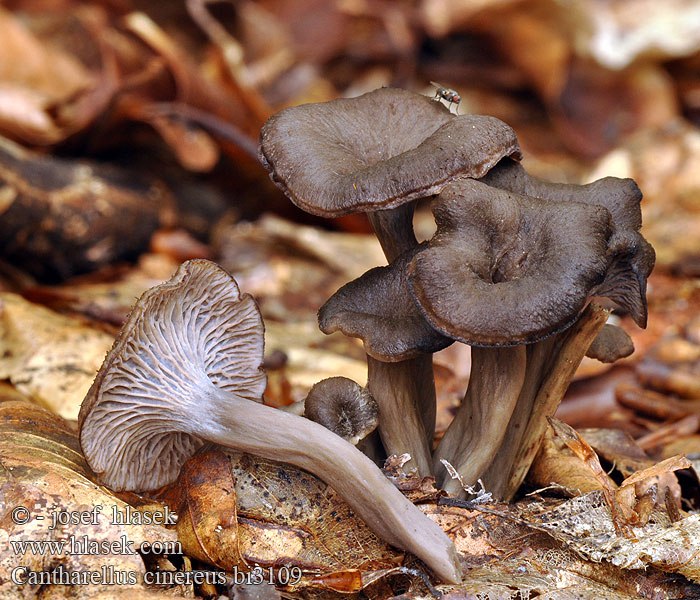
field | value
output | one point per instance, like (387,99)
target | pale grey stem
(551,366)
(273,434)
(394,230)
(477,431)
(397,388)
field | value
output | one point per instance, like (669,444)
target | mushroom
(626,278)
(502,270)
(185,370)
(348,410)
(379,153)
(630,261)
(377,308)
(612,343)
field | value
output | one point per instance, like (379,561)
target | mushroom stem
(478,429)
(276,435)
(404,391)
(551,365)
(394,229)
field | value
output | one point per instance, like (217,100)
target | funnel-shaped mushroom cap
(377,151)
(631,257)
(507,269)
(344,407)
(144,414)
(378,308)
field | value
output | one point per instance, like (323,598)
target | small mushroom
(612,343)
(348,410)
(379,153)
(378,308)
(344,407)
(185,370)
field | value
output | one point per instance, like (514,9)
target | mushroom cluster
(379,153)
(511,271)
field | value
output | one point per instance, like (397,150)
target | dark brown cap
(631,258)
(506,269)
(344,407)
(377,151)
(612,343)
(378,308)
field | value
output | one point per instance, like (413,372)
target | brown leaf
(35,78)
(42,469)
(242,510)
(47,356)
(207,525)
(556,463)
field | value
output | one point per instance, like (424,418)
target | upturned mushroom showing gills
(503,272)
(379,153)
(185,370)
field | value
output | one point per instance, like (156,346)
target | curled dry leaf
(587,455)
(585,525)
(555,463)
(628,502)
(42,469)
(49,357)
(35,78)
(238,510)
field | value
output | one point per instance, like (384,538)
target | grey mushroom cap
(631,257)
(176,342)
(612,343)
(377,307)
(377,151)
(505,269)
(344,407)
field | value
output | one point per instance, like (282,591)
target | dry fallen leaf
(49,357)
(239,510)
(33,85)
(585,525)
(47,496)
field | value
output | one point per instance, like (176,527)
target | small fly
(450,96)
